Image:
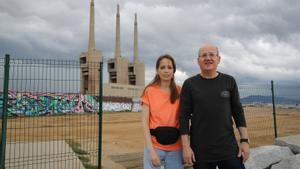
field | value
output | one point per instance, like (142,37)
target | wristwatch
(244,140)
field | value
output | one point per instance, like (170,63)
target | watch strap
(244,140)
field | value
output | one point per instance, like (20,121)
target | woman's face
(165,70)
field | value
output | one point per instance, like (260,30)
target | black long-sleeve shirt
(211,104)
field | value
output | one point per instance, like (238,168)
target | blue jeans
(170,159)
(235,163)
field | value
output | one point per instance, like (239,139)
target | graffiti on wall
(1,104)
(38,104)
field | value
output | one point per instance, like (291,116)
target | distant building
(126,79)
(136,69)
(89,61)
(120,71)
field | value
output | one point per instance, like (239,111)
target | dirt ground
(260,121)
(123,134)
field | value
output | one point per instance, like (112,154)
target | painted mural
(39,104)
(1,104)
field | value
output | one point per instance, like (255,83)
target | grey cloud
(252,35)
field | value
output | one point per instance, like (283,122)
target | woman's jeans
(169,159)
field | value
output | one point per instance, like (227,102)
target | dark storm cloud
(258,40)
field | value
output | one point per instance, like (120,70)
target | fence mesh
(258,107)
(287,101)
(53,122)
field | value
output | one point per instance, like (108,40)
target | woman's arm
(145,121)
(153,157)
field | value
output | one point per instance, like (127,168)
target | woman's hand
(154,158)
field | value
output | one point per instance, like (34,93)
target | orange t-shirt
(161,113)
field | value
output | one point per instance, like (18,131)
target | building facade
(125,79)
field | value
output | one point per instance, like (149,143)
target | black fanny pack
(165,135)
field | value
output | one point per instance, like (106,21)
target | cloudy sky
(259,40)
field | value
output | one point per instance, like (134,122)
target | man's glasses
(210,54)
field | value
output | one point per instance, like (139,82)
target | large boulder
(293,142)
(290,163)
(265,156)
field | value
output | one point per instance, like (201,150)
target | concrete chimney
(118,38)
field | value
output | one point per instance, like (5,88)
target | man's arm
(244,149)
(243,132)
(185,108)
(184,119)
(240,121)
(188,154)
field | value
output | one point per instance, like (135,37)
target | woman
(160,102)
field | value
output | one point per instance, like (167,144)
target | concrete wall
(112,89)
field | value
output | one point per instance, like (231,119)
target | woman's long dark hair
(156,80)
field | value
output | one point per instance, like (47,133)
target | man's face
(208,59)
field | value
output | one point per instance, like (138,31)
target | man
(208,102)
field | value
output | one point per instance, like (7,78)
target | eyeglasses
(210,54)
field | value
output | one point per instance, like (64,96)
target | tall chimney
(91,46)
(135,48)
(118,42)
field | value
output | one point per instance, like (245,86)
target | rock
(293,142)
(263,157)
(290,163)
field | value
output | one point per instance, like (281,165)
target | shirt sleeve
(236,107)
(145,97)
(185,108)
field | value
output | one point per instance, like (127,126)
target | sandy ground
(260,121)
(123,134)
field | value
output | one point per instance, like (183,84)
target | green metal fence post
(4,112)
(274,109)
(100,116)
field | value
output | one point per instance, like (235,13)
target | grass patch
(84,159)
(90,166)
(76,147)
(83,155)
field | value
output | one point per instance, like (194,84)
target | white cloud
(180,76)
(149,75)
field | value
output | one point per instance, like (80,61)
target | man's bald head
(208,47)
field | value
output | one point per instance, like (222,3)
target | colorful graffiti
(38,104)
(1,104)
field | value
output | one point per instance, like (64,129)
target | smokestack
(118,41)
(91,46)
(135,48)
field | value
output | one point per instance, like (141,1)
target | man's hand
(188,155)
(244,151)
(154,158)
